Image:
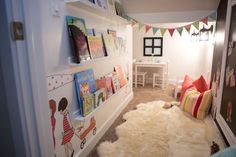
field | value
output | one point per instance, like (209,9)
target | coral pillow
(196,103)
(186,84)
(201,84)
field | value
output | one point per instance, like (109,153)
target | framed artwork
(152,46)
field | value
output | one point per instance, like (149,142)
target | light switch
(55,8)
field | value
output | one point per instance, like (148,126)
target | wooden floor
(141,95)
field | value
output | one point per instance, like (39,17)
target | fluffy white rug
(151,131)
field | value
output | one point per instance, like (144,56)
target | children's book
(121,75)
(110,45)
(77,34)
(101,3)
(90,32)
(85,84)
(100,97)
(88,104)
(105,82)
(95,47)
(115,82)
(112,32)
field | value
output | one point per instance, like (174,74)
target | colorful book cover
(100,97)
(115,82)
(90,32)
(95,47)
(83,81)
(78,39)
(112,32)
(101,3)
(121,75)
(110,45)
(105,82)
(88,104)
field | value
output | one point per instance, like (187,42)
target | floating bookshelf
(81,118)
(93,8)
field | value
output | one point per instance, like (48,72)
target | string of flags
(171,31)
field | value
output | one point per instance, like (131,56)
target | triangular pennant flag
(154,30)
(188,27)
(196,25)
(147,28)
(213,16)
(180,30)
(129,18)
(163,30)
(140,25)
(205,20)
(171,31)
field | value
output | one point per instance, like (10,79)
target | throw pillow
(187,82)
(196,103)
(201,84)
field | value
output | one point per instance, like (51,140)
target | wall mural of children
(68,130)
(52,106)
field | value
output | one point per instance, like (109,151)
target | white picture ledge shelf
(71,60)
(93,8)
(81,118)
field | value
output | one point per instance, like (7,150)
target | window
(152,46)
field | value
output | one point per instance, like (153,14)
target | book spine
(79,99)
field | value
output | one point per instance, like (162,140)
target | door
(228,104)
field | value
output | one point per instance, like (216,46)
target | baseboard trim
(93,141)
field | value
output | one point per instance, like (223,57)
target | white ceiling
(169,10)
(151,6)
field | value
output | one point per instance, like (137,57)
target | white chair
(160,78)
(140,78)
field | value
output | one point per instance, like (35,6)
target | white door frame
(30,79)
(226,130)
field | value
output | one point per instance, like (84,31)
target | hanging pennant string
(171,31)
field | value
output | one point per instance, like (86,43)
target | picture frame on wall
(152,46)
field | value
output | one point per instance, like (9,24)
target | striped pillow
(196,103)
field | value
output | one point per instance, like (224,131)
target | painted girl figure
(52,106)
(68,130)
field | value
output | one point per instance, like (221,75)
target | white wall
(56,50)
(183,55)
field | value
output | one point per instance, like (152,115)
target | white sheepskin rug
(151,131)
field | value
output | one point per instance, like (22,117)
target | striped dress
(68,132)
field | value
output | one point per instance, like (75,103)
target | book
(78,40)
(111,7)
(110,45)
(115,82)
(92,1)
(95,47)
(101,3)
(85,84)
(100,97)
(90,32)
(112,32)
(105,82)
(119,9)
(88,104)
(121,75)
